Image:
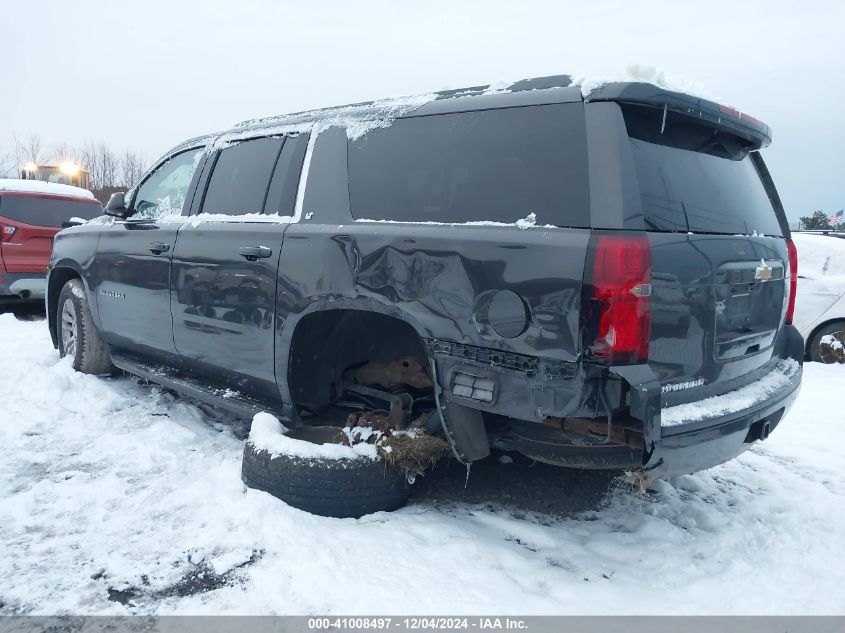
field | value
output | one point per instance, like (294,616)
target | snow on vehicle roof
(38,186)
(819,255)
(643,73)
(395,107)
(360,118)
(380,109)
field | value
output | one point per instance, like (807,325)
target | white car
(820,303)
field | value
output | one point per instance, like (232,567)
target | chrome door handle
(254,253)
(157,248)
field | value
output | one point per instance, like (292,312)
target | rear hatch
(719,257)
(28,223)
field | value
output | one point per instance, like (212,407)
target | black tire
(78,336)
(29,311)
(816,338)
(342,488)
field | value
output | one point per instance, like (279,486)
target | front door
(226,260)
(131,273)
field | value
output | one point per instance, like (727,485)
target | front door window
(164,192)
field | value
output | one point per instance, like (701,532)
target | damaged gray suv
(595,281)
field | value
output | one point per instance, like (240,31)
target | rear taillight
(741,115)
(793,280)
(6,232)
(621,291)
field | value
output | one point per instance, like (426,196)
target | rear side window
(281,196)
(39,211)
(241,177)
(696,179)
(495,165)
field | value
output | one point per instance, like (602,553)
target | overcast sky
(145,75)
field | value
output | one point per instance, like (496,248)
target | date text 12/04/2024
(417,623)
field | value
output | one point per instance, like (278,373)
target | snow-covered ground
(118,498)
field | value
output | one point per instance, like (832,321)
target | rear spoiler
(721,116)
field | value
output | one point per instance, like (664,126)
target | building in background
(66,173)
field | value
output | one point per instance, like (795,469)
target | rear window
(696,179)
(494,165)
(51,212)
(241,177)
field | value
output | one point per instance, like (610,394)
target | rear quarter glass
(497,165)
(47,211)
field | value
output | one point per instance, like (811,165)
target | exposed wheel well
(58,278)
(327,343)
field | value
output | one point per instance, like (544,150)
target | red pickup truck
(31,213)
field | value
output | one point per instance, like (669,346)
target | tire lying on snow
(306,470)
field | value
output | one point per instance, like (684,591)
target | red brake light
(752,120)
(6,232)
(622,291)
(793,279)
(741,115)
(725,109)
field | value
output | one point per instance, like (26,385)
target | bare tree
(110,165)
(131,169)
(62,152)
(107,168)
(87,156)
(29,150)
(8,164)
(101,162)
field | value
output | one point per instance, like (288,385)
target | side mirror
(116,205)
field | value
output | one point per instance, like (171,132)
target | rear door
(131,273)
(226,261)
(719,254)
(28,222)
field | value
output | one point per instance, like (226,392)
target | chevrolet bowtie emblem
(763,272)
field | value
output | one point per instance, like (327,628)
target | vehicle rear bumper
(675,446)
(638,439)
(17,287)
(706,443)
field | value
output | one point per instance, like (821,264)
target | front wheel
(78,336)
